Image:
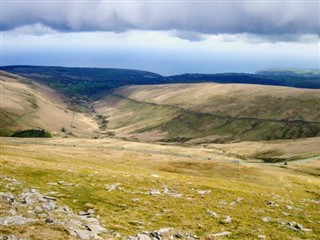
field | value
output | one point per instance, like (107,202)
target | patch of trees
(32,133)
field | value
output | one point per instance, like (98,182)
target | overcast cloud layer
(168,37)
(272,18)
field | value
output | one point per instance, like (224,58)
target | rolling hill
(27,104)
(82,85)
(211,112)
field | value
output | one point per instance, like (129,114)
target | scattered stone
(285,213)
(164,231)
(262,237)
(228,219)
(15,220)
(154,192)
(155,176)
(83,234)
(165,190)
(112,187)
(266,219)
(298,226)
(90,211)
(289,207)
(143,237)
(212,214)
(306,230)
(221,234)
(61,182)
(96,228)
(202,192)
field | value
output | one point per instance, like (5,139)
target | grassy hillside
(81,85)
(30,105)
(194,195)
(185,112)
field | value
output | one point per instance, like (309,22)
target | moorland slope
(26,104)
(211,112)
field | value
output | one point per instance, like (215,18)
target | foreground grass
(235,190)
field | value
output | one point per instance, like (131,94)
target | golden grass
(95,163)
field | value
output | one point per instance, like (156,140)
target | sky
(167,37)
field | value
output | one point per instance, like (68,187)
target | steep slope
(26,104)
(212,112)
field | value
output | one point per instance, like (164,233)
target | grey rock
(64,209)
(90,211)
(165,190)
(202,192)
(163,231)
(61,182)
(299,226)
(221,234)
(289,207)
(83,234)
(306,230)
(6,195)
(112,187)
(154,192)
(143,237)
(212,214)
(262,237)
(266,219)
(15,220)
(96,228)
(50,206)
(228,219)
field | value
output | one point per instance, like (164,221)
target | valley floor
(64,188)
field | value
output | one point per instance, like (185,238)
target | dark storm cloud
(187,19)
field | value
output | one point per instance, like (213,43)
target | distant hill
(208,112)
(87,84)
(83,84)
(292,72)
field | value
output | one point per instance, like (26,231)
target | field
(136,187)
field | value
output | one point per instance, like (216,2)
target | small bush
(32,133)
